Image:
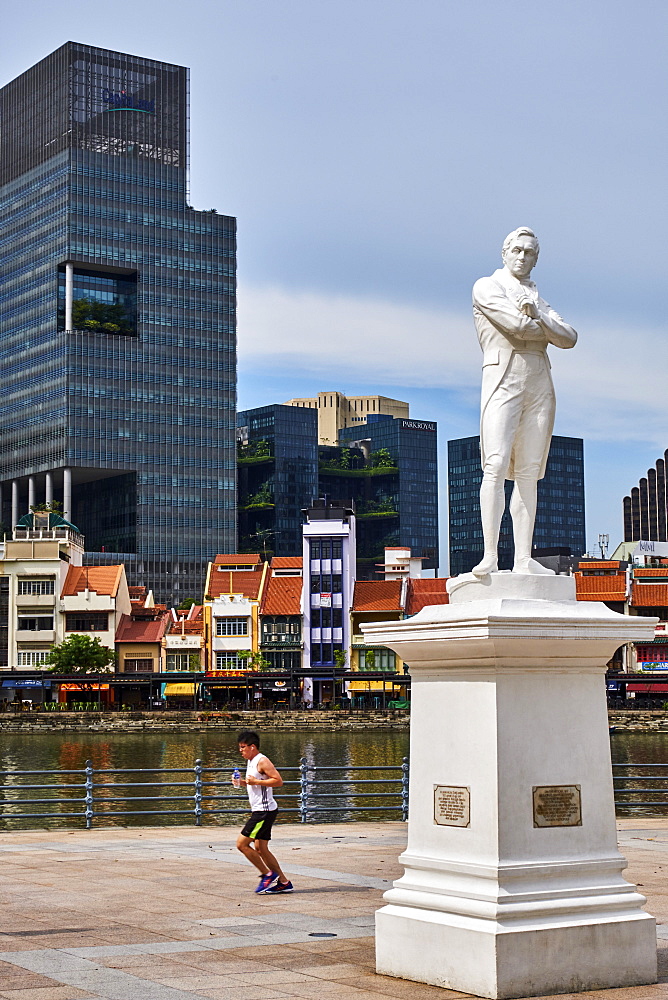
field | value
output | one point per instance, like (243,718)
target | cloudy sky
(376,153)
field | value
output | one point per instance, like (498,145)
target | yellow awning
(180,688)
(369,686)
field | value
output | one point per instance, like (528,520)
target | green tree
(340,657)
(87,314)
(370,660)
(382,459)
(255,661)
(187,603)
(81,655)
(52,507)
(263,497)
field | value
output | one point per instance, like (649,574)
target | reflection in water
(69,751)
(641,748)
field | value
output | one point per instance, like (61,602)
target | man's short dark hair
(248,737)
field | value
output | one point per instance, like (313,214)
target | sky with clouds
(376,153)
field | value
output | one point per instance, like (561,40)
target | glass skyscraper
(117,318)
(397,502)
(560,514)
(278,476)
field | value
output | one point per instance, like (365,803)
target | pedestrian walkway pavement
(170,914)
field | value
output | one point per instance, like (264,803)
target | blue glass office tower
(278,476)
(396,503)
(560,515)
(117,318)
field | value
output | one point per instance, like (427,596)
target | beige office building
(337,411)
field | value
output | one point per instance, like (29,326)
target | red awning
(648,688)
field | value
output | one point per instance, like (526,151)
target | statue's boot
(488,564)
(531,566)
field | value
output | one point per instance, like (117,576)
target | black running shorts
(259,825)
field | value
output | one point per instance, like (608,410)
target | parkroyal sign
(122,101)
(418,425)
(651,549)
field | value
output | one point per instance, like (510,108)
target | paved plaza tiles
(169,914)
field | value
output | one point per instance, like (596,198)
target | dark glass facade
(136,401)
(278,476)
(560,515)
(396,504)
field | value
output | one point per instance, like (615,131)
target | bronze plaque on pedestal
(556,805)
(452,805)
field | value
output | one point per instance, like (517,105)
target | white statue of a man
(517,406)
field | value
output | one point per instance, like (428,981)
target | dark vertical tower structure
(646,507)
(117,318)
(560,515)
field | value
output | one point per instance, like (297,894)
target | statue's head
(520,251)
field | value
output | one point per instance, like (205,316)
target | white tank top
(261,797)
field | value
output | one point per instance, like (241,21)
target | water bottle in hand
(236,778)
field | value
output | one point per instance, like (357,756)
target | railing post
(405,771)
(198,792)
(89,794)
(303,782)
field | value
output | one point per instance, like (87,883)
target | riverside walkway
(169,914)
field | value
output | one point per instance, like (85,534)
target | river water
(67,751)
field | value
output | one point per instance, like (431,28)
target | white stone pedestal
(512,883)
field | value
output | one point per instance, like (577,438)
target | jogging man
(253,841)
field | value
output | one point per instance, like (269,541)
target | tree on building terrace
(81,655)
(105,317)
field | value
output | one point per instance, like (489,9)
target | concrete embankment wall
(129,722)
(641,721)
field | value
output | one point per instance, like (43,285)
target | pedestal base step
(489,960)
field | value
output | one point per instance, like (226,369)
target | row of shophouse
(634,582)
(285,632)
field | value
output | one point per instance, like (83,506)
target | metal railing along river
(635,782)
(319,793)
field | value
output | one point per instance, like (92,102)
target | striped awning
(180,689)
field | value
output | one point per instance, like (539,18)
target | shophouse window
(36,587)
(182,661)
(32,657)
(138,666)
(229,661)
(231,626)
(86,621)
(35,624)
(383,659)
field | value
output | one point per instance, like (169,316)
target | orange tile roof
(599,564)
(100,579)
(252,560)
(423,592)
(246,582)
(600,588)
(283,596)
(141,630)
(286,562)
(377,595)
(650,595)
(656,571)
(186,627)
